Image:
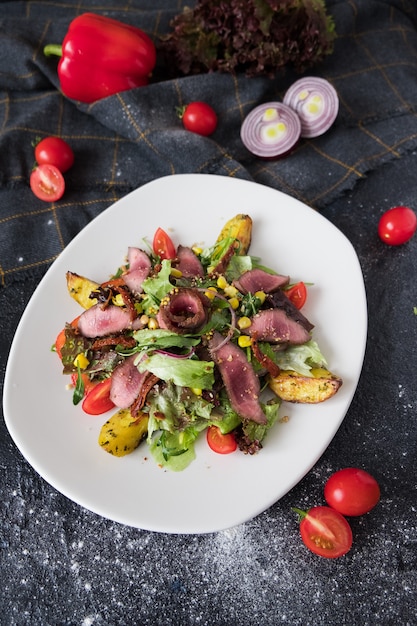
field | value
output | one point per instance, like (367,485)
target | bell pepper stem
(53,49)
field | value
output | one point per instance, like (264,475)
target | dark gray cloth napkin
(125,141)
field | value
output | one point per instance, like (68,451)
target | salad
(182,340)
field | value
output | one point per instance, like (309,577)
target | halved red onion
(270,130)
(316,103)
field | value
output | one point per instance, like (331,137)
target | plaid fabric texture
(125,141)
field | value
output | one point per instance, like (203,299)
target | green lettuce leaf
(182,372)
(163,339)
(301,359)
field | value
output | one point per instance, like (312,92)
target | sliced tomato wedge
(97,400)
(60,340)
(222,444)
(47,182)
(163,245)
(297,294)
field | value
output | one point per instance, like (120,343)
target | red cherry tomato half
(47,182)
(397,225)
(97,400)
(222,444)
(352,491)
(200,118)
(297,294)
(325,531)
(60,340)
(54,151)
(163,246)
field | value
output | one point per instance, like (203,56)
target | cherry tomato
(47,182)
(200,118)
(222,444)
(163,246)
(54,151)
(297,294)
(60,340)
(352,491)
(325,531)
(97,400)
(397,225)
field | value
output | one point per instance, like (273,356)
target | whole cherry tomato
(55,151)
(397,225)
(325,531)
(352,491)
(199,117)
(47,182)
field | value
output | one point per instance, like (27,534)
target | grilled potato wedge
(240,228)
(293,387)
(122,433)
(80,288)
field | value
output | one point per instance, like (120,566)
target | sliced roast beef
(259,280)
(184,310)
(188,263)
(241,383)
(275,326)
(279,300)
(139,269)
(98,321)
(126,382)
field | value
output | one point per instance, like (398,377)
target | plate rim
(67,252)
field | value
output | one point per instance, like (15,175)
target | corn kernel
(175,272)
(197,250)
(152,324)
(244,322)
(244,341)
(197,391)
(221,282)
(234,303)
(81,361)
(118,300)
(211,293)
(261,296)
(230,291)
(144,319)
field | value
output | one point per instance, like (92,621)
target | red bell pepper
(101,56)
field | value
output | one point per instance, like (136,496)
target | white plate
(215,492)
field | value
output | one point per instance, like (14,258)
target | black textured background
(60,564)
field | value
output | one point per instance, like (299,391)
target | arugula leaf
(79,388)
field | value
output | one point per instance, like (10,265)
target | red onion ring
(316,103)
(270,130)
(232,328)
(188,355)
